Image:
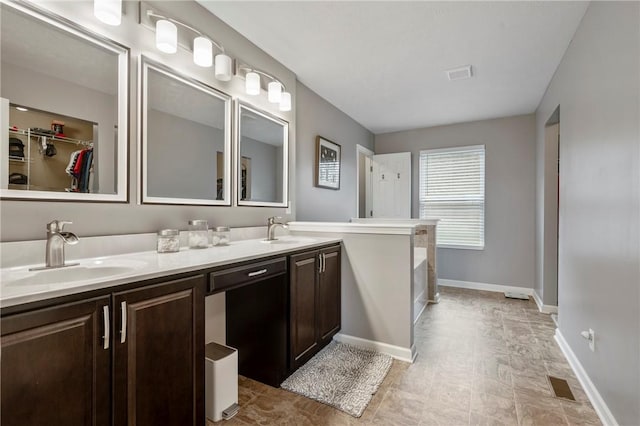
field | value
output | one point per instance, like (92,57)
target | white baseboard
(484,286)
(545,309)
(397,352)
(606,417)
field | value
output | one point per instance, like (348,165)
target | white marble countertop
(18,286)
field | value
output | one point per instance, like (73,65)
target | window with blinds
(452,190)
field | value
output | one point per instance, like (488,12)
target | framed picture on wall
(327,163)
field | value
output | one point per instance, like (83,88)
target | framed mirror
(185,139)
(63,111)
(262,158)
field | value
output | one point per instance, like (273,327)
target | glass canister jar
(198,234)
(168,241)
(221,236)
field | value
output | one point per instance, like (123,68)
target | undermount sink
(289,240)
(87,270)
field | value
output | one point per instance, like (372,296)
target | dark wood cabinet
(329,301)
(314,292)
(159,354)
(56,367)
(303,294)
(134,357)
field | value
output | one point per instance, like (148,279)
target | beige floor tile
(538,410)
(399,407)
(483,384)
(537,385)
(476,419)
(496,407)
(444,416)
(496,367)
(451,394)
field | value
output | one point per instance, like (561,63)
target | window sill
(449,246)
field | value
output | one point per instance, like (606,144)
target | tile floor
(483,360)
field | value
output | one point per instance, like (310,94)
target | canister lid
(222,229)
(198,222)
(168,232)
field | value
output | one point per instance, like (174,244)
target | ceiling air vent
(460,73)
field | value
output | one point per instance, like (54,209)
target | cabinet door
(329,303)
(303,296)
(159,354)
(55,368)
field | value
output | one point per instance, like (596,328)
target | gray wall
(25,220)
(598,90)
(318,117)
(510,178)
(182,157)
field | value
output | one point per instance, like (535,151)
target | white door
(391,185)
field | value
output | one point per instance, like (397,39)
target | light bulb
(285,102)
(252,83)
(108,11)
(223,67)
(275,91)
(202,51)
(166,36)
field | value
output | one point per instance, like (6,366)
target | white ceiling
(383,63)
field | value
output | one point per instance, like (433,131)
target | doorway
(363,187)
(552,214)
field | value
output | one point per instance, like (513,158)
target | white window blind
(452,190)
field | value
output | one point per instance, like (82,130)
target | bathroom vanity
(130,349)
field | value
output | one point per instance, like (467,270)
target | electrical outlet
(592,340)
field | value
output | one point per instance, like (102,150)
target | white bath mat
(342,376)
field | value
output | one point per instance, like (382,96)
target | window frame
(484,193)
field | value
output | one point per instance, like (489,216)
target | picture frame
(328,163)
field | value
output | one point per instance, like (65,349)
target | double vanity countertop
(18,285)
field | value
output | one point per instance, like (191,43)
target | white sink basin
(87,270)
(289,240)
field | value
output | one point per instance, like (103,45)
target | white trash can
(221,393)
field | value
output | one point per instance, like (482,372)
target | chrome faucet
(56,240)
(272,225)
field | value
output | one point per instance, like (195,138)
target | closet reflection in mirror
(186,140)
(262,164)
(64,101)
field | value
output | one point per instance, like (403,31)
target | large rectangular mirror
(261,158)
(64,102)
(185,139)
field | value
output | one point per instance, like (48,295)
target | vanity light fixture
(252,83)
(108,11)
(202,51)
(285,102)
(167,41)
(276,92)
(166,36)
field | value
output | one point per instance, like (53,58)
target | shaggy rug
(342,376)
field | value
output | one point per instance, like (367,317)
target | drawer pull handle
(107,332)
(256,273)
(123,320)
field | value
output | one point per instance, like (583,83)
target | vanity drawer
(246,274)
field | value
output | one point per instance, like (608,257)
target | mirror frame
(145,65)
(237,156)
(122,160)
